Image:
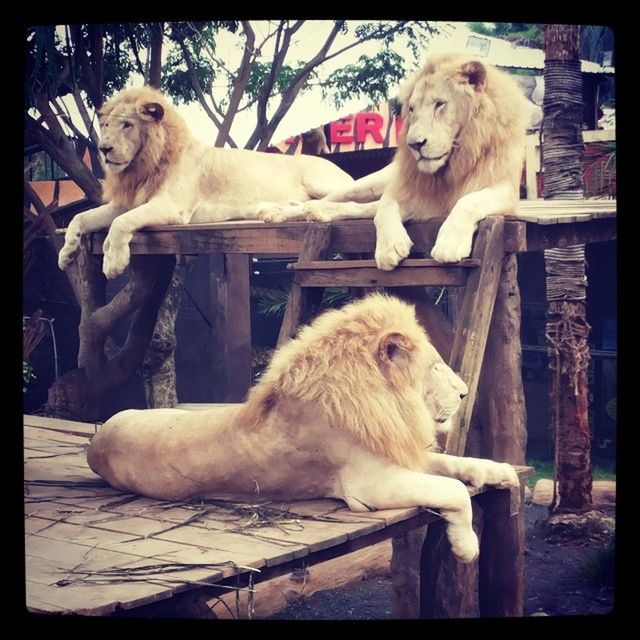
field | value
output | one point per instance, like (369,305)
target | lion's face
(442,389)
(123,130)
(436,105)
(418,362)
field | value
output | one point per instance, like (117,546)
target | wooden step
(364,273)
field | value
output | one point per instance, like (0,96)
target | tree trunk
(155,55)
(567,329)
(159,366)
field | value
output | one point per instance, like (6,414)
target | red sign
(347,130)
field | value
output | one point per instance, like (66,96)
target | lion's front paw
(281,213)
(503,475)
(493,474)
(69,252)
(454,242)
(116,258)
(392,246)
(316,211)
(464,544)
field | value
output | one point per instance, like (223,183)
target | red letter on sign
(338,131)
(369,122)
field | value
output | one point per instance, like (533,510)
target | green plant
(27,375)
(273,302)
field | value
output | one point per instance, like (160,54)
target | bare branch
(197,87)
(244,72)
(134,48)
(62,151)
(264,130)
(155,55)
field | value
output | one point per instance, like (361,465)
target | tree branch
(96,40)
(244,72)
(197,87)
(155,64)
(134,48)
(46,221)
(263,131)
(82,58)
(59,148)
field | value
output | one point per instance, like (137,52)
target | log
(231,322)
(303,303)
(473,324)
(502,406)
(501,571)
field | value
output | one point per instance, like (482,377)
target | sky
(310,109)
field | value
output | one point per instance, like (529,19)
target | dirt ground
(556,584)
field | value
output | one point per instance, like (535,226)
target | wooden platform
(92,550)
(538,225)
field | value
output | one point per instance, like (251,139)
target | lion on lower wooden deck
(349,409)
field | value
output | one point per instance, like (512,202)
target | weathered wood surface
(537,226)
(92,550)
(473,324)
(501,583)
(231,322)
(303,304)
(502,406)
(364,273)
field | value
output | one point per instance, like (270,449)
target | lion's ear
(406,89)
(475,74)
(151,111)
(395,350)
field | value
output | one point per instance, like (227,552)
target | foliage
(522,33)
(370,77)
(27,375)
(272,302)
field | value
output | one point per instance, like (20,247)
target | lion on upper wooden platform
(158,173)
(348,410)
(460,155)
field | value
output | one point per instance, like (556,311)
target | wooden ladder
(478,276)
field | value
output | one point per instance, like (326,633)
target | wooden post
(473,325)
(446,585)
(501,394)
(304,302)
(501,580)
(231,322)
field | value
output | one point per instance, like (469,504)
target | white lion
(346,410)
(158,173)
(460,156)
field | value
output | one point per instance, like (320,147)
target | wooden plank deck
(92,550)
(522,230)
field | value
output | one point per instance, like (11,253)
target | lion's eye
(410,109)
(127,125)
(439,104)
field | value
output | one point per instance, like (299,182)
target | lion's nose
(463,395)
(417,145)
(106,149)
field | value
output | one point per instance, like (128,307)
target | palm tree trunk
(567,330)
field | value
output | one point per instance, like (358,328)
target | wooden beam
(303,303)
(359,264)
(501,395)
(473,324)
(541,237)
(373,277)
(231,322)
(501,572)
